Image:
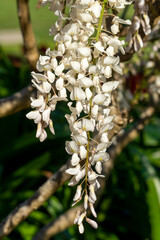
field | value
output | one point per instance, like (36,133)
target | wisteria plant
(81,69)
(103,66)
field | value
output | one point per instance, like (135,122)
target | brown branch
(63,222)
(66,219)
(131,134)
(17,102)
(39,4)
(30,46)
(21,99)
(22,211)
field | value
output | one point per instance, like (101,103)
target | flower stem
(100,19)
(88,133)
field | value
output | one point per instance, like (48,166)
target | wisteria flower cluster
(140,18)
(81,66)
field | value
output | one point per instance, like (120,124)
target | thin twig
(30,47)
(63,222)
(22,211)
(19,101)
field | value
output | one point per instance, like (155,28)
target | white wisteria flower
(81,69)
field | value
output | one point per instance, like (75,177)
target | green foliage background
(129,208)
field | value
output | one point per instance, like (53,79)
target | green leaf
(153,200)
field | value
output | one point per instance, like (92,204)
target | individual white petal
(39,130)
(104,138)
(86,108)
(94,111)
(110,86)
(85,17)
(92,210)
(92,69)
(81,228)
(77,216)
(73,171)
(86,202)
(38,118)
(86,2)
(96,9)
(101,147)
(83,152)
(87,125)
(59,69)
(86,82)
(97,185)
(92,175)
(91,200)
(72,109)
(101,156)
(46,86)
(80,140)
(79,94)
(62,93)
(80,174)
(84,134)
(107,100)
(80,220)
(88,93)
(98,167)
(98,46)
(59,83)
(37,102)
(117,69)
(75,159)
(38,77)
(78,193)
(108,72)
(122,21)
(109,60)
(43,63)
(51,76)
(84,51)
(106,111)
(43,135)
(61,48)
(46,115)
(79,107)
(37,86)
(54,63)
(76,66)
(106,127)
(115,28)
(140,40)
(99,99)
(92,192)
(108,119)
(73,181)
(84,64)
(32,114)
(110,51)
(55,99)
(92,223)
(51,126)
(71,147)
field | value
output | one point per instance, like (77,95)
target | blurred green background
(130,205)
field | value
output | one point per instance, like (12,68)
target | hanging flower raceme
(83,63)
(140,18)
